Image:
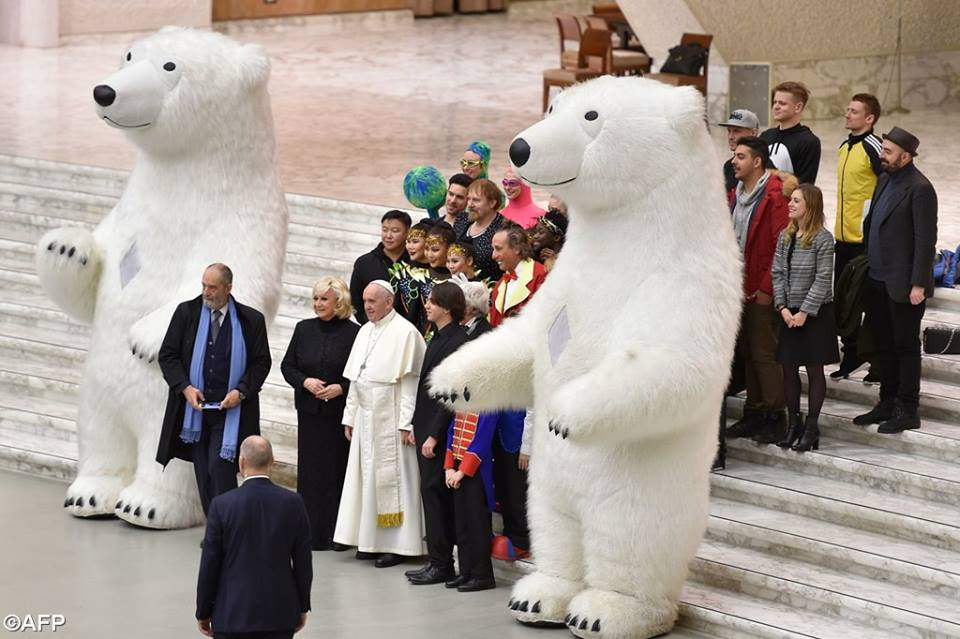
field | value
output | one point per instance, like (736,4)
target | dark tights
(817,387)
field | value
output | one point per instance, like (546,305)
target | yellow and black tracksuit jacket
(857,169)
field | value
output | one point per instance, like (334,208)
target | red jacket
(768,220)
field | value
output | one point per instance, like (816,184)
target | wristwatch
(780,307)
(242,396)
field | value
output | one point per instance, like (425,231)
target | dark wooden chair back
(595,43)
(569,29)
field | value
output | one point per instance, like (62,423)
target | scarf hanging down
(193,419)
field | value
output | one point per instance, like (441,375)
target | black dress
(813,344)
(320,349)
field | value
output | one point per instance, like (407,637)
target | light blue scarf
(193,419)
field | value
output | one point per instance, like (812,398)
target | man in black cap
(900,235)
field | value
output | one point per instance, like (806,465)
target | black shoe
(849,364)
(475,585)
(367,556)
(901,420)
(388,559)
(872,378)
(338,547)
(880,413)
(433,575)
(794,431)
(456,582)
(719,462)
(811,436)
(746,426)
(772,428)
(417,571)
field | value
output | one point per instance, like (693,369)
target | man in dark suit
(376,265)
(431,421)
(215,358)
(255,570)
(899,236)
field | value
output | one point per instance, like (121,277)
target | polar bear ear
(689,109)
(254,66)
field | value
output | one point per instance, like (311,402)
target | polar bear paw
(603,614)
(558,429)
(541,600)
(68,262)
(146,336)
(93,495)
(150,506)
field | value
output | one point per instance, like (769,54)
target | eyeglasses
(466,164)
(511,184)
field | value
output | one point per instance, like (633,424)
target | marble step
(819,589)
(331,215)
(880,557)
(62,175)
(862,465)
(840,502)
(938,399)
(41,456)
(934,440)
(728,614)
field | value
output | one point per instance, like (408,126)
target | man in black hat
(900,235)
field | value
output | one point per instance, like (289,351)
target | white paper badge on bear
(623,354)
(195,104)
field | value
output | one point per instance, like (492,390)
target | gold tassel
(389,520)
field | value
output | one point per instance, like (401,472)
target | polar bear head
(611,140)
(180,86)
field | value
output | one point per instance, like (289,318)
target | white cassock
(380,509)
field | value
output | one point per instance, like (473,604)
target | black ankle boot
(794,431)
(772,429)
(811,436)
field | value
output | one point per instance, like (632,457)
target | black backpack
(685,59)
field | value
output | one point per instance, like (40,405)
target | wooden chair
(569,28)
(594,45)
(677,79)
(622,61)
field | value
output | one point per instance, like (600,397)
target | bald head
(256,456)
(377,301)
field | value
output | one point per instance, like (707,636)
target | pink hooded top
(522,210)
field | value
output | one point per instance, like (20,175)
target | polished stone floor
(359,100)
(109,579)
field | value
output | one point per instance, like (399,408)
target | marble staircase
(858,539)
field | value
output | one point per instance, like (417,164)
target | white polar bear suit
(204,189)
(624,354)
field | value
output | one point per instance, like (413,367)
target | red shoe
(503,549)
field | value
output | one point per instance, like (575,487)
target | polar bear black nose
(104,95)
(519,152)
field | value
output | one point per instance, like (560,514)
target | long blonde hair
(813,219)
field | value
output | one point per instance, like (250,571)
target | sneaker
(872,378)
(880,413)
(746,426)
(902,419)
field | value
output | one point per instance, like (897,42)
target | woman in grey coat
(802,276)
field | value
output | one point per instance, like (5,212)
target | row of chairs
(589,48)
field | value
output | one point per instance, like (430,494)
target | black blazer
(479,327)
(174,358)
(319,349)
(374,265)
(430,418)
(908,234)
(256,568)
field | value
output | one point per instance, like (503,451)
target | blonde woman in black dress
(313,365)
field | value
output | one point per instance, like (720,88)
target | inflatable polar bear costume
(204,189)
(624,354)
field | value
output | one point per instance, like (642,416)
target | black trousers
(437,507)
(322,453)
(473,528)
(510,487)
(896,332)
(844,252)
(215,476)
